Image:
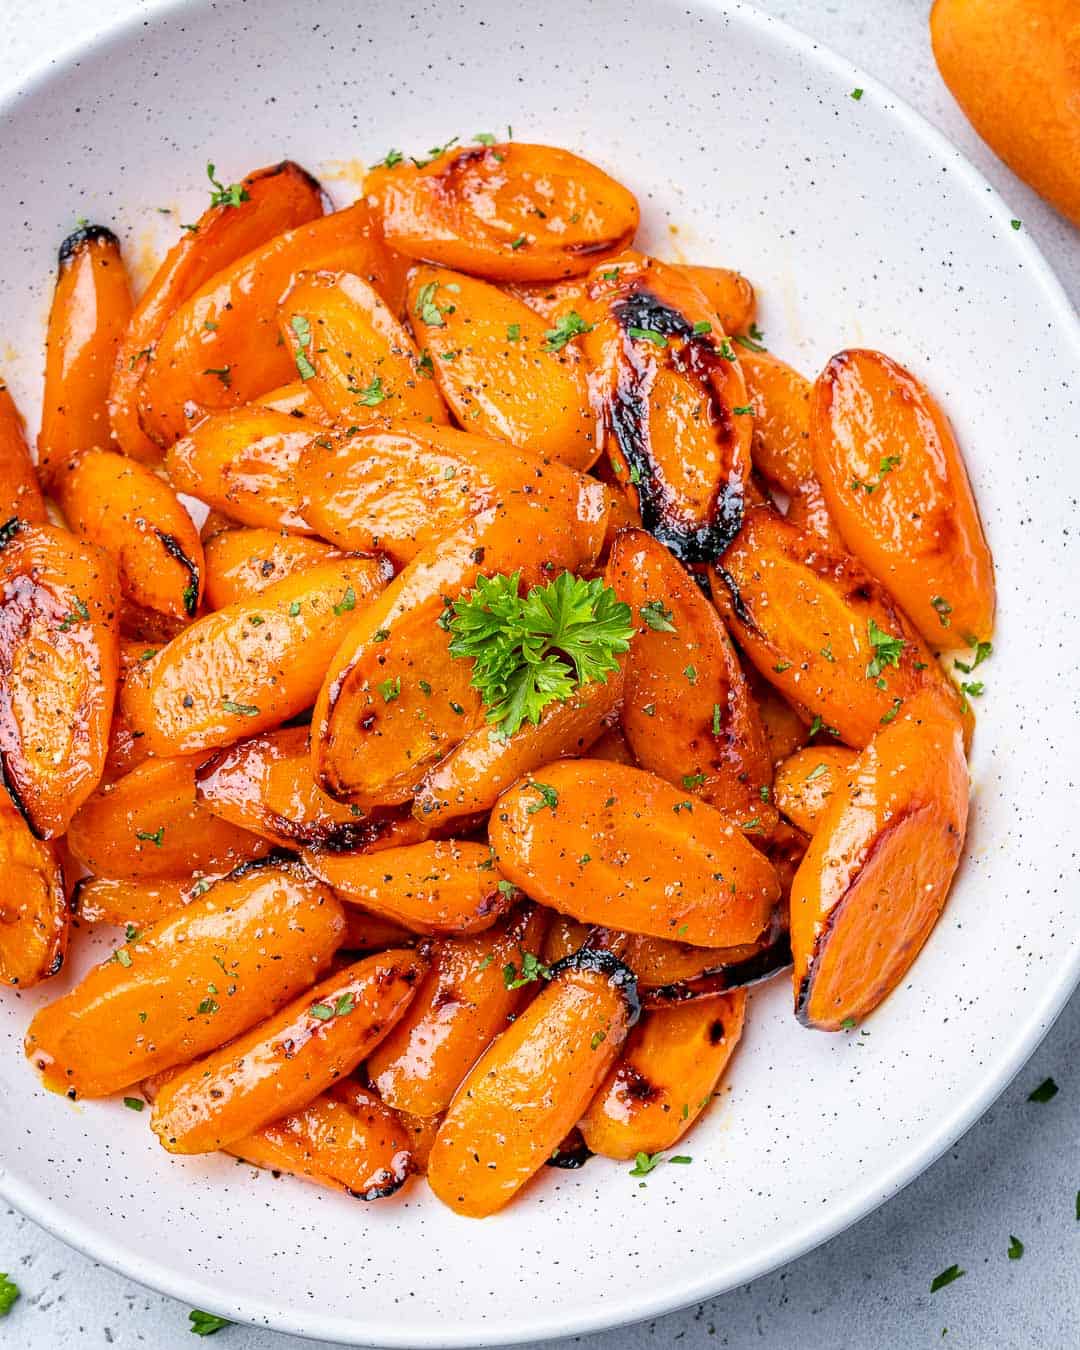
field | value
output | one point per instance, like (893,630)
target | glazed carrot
(687,711)
(271,201)
(658,962)
(359,361)
(666,1076)
(90,310)
(421,1132)
(896,486)
(549,299)
(476,986)
(401,487)
(504,371)
(198,369)
(613,745)
(20,491)
(439,886)
(126,750)
(370,744)
(264,784)
(532,1084)
(243,563)
(666,385)
(878,869)
(256,938)
(33,903)
(126,508)
(821,629)
(785,731)
(136,901)
(806,781)
(282,1064)
(564,937)
(509,211)
(251,665)
(297,399)
(366,932)
(345,1139)
(471,777)
(58,668)
(728,292)
(620,847)
(242,463)
(149,825)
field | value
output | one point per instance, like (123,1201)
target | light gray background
(1016,1172)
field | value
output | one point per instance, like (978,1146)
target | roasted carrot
(149,825)
(137,901)
(666,1076)
(251,665)
(438,886)
(618,846)
(506,211)
(188,983)
(728,292)
(242,563)
(33,903)
(532,1084)
(20,491)
(806,780)
(90,309)
(358,360)
(269,202)
(875,877)
(505,372)
(58,666)
(281,1065)
(476,986)
(297,399)
(897,488)
(345,1139)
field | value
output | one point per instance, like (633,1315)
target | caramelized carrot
(785,730)
(33,903)
(281,1065)
(221,347)
(370,744)
(875,877)
(895,484)
(126,508)
(821,629)
(728,292)
(149,825)
(256,938)
(366,932)
(360,362)
(667,1075)
(666,384)
(401,487)
(508,211)
(58,668)
(243,563)
(20,491)
(617,846)
(90,310)
(242,462)
(806,781)
(504,371)
(438,886)
(251,665)
(476,986)
(532,1084)
(345,1139)
(138,901)
(687,711)
(271,200)
(658,962)
(264,784)
(297,399)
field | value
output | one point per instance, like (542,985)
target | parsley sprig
(531,650)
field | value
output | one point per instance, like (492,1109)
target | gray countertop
(1016,1173)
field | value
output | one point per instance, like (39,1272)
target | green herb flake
(567,327)
(532,968)
(816,773)
(208,1007)
(134,1103)
(692,780)
(426,309)
(1016,224)
(644,1163)
(1044,1092)
(232,195)
(513,332)
(222,372)
(549,799)
(347,602)
(982,651)
(702,326)
(691,674)
(206,1324)
(239,709)
(302,328)
(887,649)
(647,335)
(658,617)
(390,160)
(946,1277)
(717,714)
(1016,1248)
(9,1292)
(856,94)
(518,242)
(371,395)
(484,138)
(390,689)
(598,1038)
(943,609)
(155,837)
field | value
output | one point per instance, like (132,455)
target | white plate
(859,225)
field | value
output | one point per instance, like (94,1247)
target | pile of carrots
(376,921)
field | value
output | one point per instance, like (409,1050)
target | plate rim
(804,1237)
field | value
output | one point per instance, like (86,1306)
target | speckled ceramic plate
(859,225)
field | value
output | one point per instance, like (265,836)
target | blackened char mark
(689,540)
(761,966)
(171,545)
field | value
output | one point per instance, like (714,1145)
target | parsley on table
(134,1103)
(529,651)
(1044,1092)
(982,652)
(887,649)
(206,1324)
(1016,1248)
(566,327)
(856,94)
(946,1277)
(232,195)
(9,1292)
(1016,224)
(644,1163)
